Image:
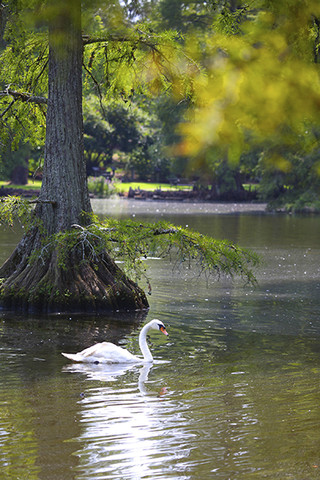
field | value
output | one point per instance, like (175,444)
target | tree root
(44,286)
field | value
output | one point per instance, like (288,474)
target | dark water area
(233,392)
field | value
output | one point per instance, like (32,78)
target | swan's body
(106,352)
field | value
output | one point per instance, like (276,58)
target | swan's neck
(147,357)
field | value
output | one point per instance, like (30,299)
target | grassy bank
(32,185)
(120,187)
(149,187)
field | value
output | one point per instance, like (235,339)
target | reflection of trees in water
(56,331)
(38,411)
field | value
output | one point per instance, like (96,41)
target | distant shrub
(101,187)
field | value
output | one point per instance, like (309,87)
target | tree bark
(64,176)
(81,283)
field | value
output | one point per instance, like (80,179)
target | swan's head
(158,325)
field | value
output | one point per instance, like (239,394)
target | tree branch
(148,42)
(8,108)
(23,96)
(51,202)
(89,40)
(98,88)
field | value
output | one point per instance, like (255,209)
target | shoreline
(124,205)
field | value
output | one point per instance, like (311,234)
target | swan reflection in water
(111,372)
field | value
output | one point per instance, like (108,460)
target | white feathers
(106,352)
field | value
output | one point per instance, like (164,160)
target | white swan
(106,352)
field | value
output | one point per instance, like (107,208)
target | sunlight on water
(123,207)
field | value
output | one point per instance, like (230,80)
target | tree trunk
(64,173)
(41,283)
(19,176)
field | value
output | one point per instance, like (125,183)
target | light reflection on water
(134,418)
(235,397)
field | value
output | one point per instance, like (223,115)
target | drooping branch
(13,208)
(96,247)
(135,242)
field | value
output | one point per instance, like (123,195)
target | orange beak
(164,331)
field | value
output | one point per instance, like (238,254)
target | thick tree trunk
(81,283)
(64,178)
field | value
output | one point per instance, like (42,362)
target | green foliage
(261,84)
(246,72)
(120,59)
(308,201)
(24,61)
(132,59)
(14,208)
(291,180)
(198,15)
(131,243)
(125,134)
(100,187)
(257,91)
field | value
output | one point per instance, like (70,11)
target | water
(233,393)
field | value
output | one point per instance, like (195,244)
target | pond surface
(234,390)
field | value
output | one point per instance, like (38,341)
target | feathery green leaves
(132,243)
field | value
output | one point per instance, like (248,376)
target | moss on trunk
(42,285)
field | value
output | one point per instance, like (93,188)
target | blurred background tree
(258,98)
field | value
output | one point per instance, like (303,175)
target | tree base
(79,286)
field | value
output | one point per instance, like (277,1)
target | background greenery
(240,105)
